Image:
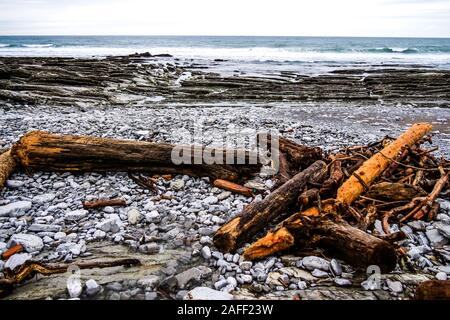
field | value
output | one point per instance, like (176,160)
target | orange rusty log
(11,251)
(233,187)
(100,203)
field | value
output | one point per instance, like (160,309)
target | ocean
(290,53)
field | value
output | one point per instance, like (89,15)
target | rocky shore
(169,231)
(142,78)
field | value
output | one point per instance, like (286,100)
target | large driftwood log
(281,238)
(44,151)
(433,290)
(258,214)
(7,167)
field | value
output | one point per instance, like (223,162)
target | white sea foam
(282,57)
(47,45)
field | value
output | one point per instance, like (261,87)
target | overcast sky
(409,18)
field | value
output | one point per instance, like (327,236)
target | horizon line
(198,35)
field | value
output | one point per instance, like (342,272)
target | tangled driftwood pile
(320,200)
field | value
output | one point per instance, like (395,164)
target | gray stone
(244,278)
(152,216)
(220,284)
(196,273)
(255,185)
(3,246)
(38,227)
(59,185)
(444,229)
(30,243)
(335,267)
(92,287)
(394,286)
(297,273)
(71,247)
(232,281)
(15,209)
(217,255)
(205,293)
(76,215)
(302,285)
(445,269)
(59,235)
(371,284)
(149,282)
(319,273)
(206,252)
(99,234)
(13,184)
(134,215)
(223,195)
(149,248)
(44,198)
(177,184)
(441,276)
(17,260)
(205,231)
(418,225)
(342,282)
(436,239)
(109,225)
(151,295)
(245,265)
(114,296)
(406,230)
(313,262)
(108,209)
(444,205)
(114,286)
(210,200)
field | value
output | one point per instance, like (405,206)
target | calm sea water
(288,52)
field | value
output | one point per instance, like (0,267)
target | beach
(151,96)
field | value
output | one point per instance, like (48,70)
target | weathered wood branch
(100,203)
(44,151)
(394,191)
(233,187)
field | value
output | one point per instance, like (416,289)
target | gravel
(44,212)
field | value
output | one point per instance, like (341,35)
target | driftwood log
(433,290)
(44,151)
(7,167)
(101,203)
(233,187)
(258,214)
(338,238)
(281,238)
